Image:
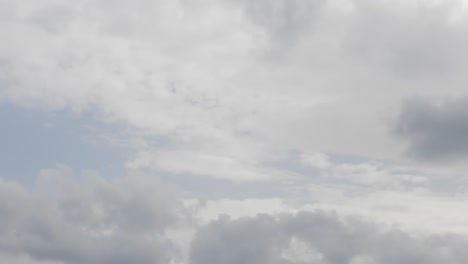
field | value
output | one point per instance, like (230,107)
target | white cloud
(197,72)
(207,164)
(209,210)
(299,251)
(420,210)
(377,174)
(362,260)
(318,160)
(235,89)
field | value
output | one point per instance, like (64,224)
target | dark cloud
(121,221)
(435,132)
(264,239)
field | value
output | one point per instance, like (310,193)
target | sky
(233,131)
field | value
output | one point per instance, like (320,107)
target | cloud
(283,21)
(323,237)
(23,259)
(228,90)
(410,39)
(96,221)
(66,218)
(196,72)
(435,131)
(208,165)
(365,173)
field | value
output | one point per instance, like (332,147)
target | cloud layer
(280,107)
(242,81)
(136,219)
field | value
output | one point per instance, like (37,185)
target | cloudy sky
(233,131)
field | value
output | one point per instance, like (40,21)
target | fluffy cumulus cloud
(318,238)
(65,220)
(96,221)
(280,107)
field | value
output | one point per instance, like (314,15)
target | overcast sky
(233,131)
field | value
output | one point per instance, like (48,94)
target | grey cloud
(407,40)
(283,19)
(121,221)
(262,239)
(435,132)
(244,241)
(55,19)
(410,40)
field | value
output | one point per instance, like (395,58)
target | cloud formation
(245,81)
(284,104)
(101,221)
(435,131)
(320,238)
(136,219)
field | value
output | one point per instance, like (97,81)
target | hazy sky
(233,131)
